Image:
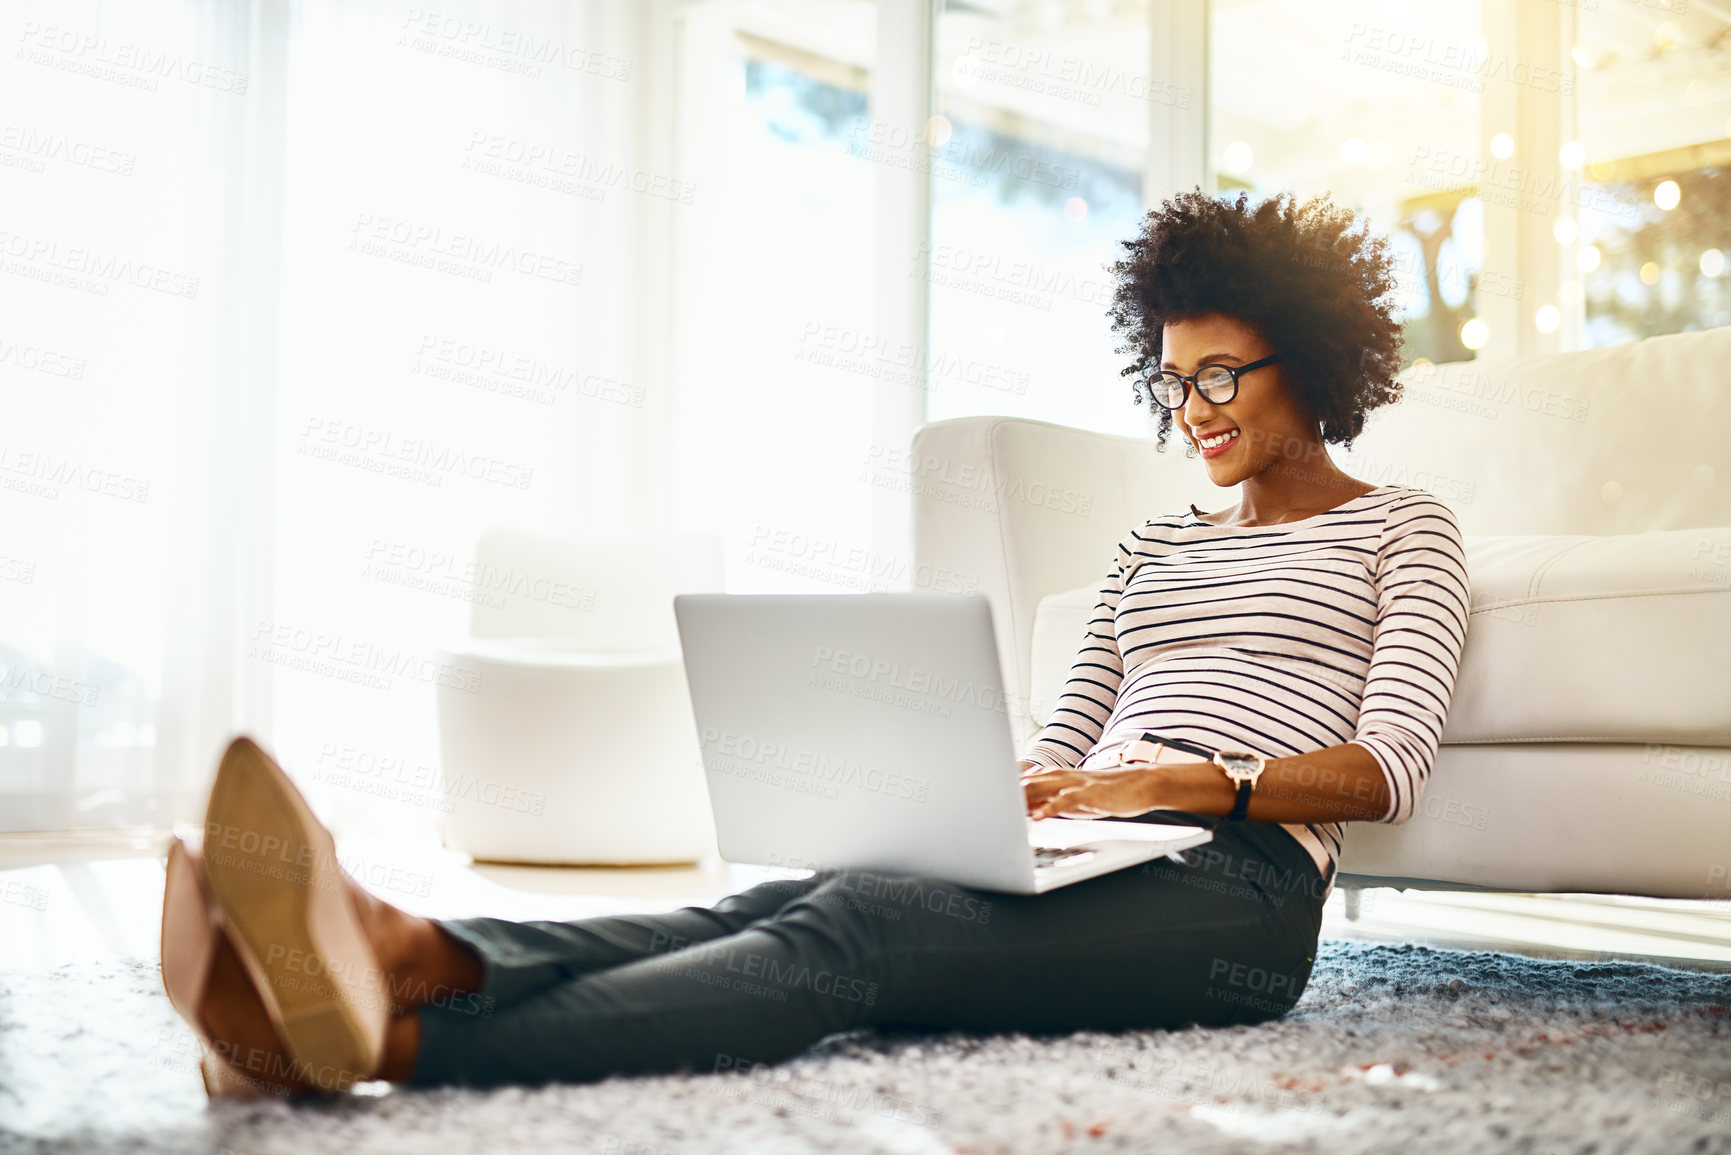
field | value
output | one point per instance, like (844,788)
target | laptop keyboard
(1052,855)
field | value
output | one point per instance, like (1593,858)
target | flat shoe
(286,906)
(191,931)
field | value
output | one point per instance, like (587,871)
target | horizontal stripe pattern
(1346,626)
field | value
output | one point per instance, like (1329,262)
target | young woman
(1274,669)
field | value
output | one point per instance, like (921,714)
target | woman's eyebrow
(1207,360)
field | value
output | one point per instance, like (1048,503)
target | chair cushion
(1573,638)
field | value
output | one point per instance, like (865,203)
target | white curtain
(295,300)
(135,384)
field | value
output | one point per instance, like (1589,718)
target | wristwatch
(1241,766)
(1244,768)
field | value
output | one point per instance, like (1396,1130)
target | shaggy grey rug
(1392,1048)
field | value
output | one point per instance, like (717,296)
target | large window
(1549,174)
(1655,223)
(1381,107)
(1037,158)
(775,352)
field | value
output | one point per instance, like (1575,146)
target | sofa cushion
(1573,638)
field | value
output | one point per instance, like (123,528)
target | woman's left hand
(1120,793)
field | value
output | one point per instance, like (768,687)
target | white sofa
(1588,746)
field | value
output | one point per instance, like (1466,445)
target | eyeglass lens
(1214,382)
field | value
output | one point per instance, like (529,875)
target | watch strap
(1241,807)
(1176,744)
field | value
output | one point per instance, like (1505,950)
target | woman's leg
(524,957)
(1228,936)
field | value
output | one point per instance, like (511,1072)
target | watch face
(1239,765)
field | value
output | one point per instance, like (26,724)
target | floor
(70,898)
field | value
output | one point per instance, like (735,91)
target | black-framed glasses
(1218,383)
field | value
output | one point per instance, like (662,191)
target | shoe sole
(187,947)
(187,936)
(273,870)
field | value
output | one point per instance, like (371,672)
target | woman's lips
(1221,448)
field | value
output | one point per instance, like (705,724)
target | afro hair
(1318,291)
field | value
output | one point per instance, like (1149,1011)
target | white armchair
(1588,746)
(576,744)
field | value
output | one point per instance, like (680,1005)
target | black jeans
(1226,936)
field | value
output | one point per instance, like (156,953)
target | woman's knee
(879,910)
(1256,989)
(893,897)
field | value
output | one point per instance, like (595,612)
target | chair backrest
(609,595)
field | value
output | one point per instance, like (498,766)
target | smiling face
(1265,421)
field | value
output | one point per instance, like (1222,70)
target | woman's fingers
(1041,788)
(1118,795)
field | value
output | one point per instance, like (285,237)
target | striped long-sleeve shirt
(1346,626)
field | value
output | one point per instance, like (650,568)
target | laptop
(870,731)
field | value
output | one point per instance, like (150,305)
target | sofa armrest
(1016,509)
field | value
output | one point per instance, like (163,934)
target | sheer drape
(136,165)
(297,299)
